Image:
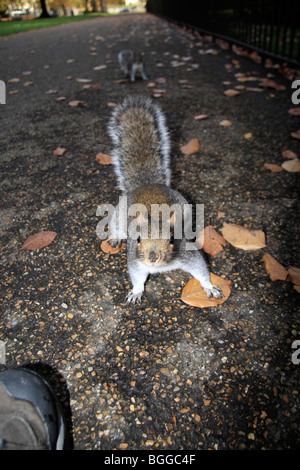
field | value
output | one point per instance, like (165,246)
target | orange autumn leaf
(39,240)
(107,248)
(275,270)
(191,147)
(193,294)
(59,151)
(273,167)
(292,166)
(243,238)
(295,111)
(231,92)
(104,159)
(213,241)
(294,276)
(289,154)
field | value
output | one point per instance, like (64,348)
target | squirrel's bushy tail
(141,143)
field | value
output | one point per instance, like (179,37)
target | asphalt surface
(162,374)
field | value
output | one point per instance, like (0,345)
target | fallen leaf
(51,92)
(107,248)
(77,103)
(225,123)
(213,241)
(275,270)
(111,105)
(83,80)
(39,240)
(100,67)
(289,154)
(294,276)
(231,92)
(199,117)
(14,80)
(193,294)
(267,83)
(27,83)
(243,238)
(59,151)
(60,98)
(161,80)
(296,134)
(104,159)
(293,166)
(157,95)
(248,135)
(295,111)
(151,85)
(273,167)
(191,147)
(220,214)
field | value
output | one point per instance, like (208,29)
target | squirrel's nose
(153,257)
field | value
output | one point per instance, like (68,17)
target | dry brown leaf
(83,80)
(225,123)
(213,241)
(151,85)
(296,134)
(293,166)
(14,80)
(275,270)
(220,214)
(191,147)
(248,135)
(193,294)
(289,154)
(107,248)
(39,240)
(76,103)
(199,117)
(273,167)
(28,83)
(294,276)
(104,159)
(59,151)
(295,111)
(100,67)
(111,105)
(243,238)
(231,92)
(52,91)
(267,83)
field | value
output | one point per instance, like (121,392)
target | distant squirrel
(132,63)
(141,161)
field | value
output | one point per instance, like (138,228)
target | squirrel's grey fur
(141,157)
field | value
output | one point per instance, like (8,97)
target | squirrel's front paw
(214,291)
(132,297)
(114,242)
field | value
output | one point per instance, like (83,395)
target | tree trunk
(44,13)
(103,6)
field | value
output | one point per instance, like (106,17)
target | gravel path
(160,375)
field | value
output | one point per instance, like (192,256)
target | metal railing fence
(270,27)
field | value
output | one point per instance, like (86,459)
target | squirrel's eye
(139,240)
(172,240)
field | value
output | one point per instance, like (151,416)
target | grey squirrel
(141,157)
(131,63)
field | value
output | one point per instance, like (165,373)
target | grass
(11,27)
